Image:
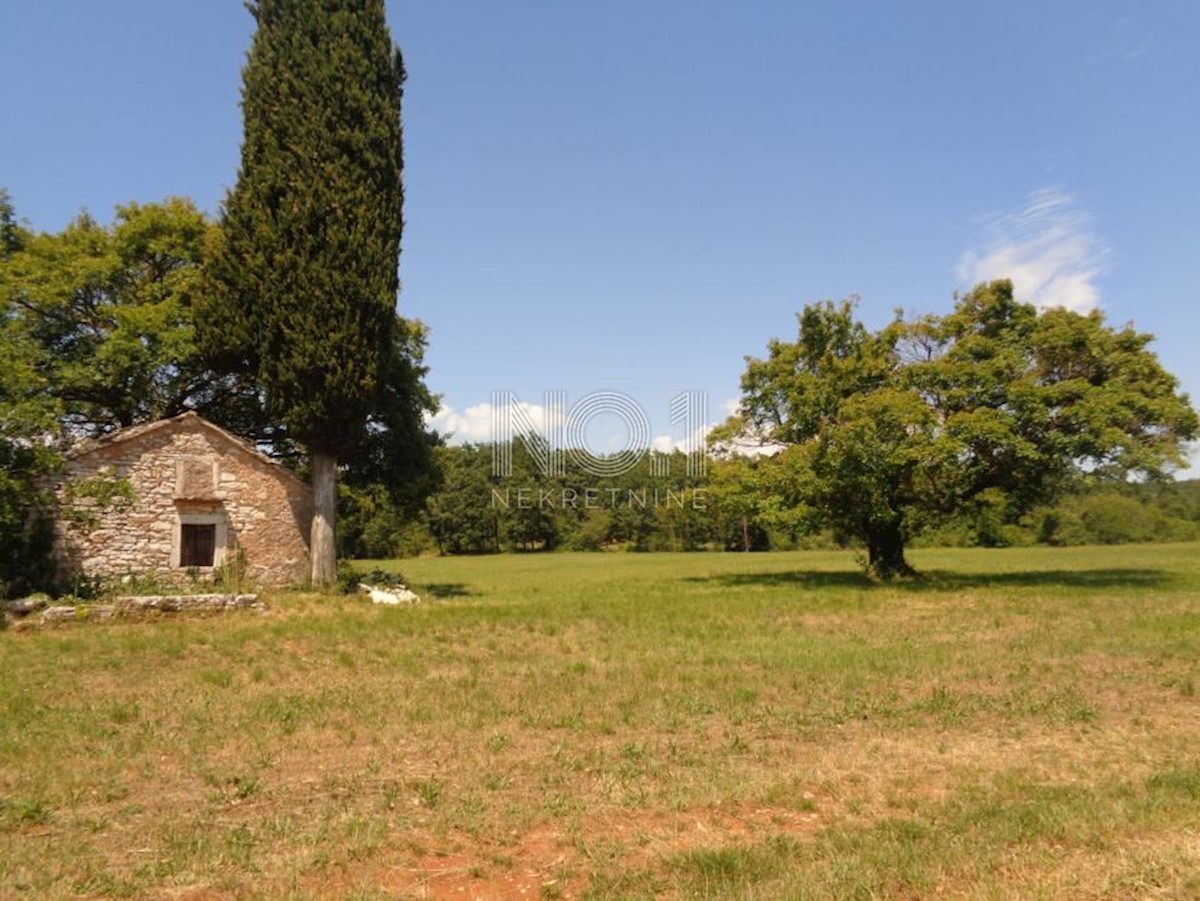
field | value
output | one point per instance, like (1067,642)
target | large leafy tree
(98,320)
(888,432)
(303,279)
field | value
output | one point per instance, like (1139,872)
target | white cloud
(1047,248)
(699,438)
(475,424)
(664,444)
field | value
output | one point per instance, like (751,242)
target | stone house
(180,497)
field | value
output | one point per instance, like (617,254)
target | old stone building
(178,498)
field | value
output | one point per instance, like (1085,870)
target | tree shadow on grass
(442,590)
(952,580)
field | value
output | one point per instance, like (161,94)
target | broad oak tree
(885,433)
(302,278)
(100,318)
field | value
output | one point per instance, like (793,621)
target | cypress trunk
(322,548)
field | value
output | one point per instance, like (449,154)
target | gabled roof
(191,417)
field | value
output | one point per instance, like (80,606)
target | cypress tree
(303,276)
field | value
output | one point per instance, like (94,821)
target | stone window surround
(206,518)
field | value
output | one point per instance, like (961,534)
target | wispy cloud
(1130,40)
(1048,249)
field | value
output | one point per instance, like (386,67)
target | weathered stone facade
(189,491)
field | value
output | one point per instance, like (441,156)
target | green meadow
(1019,723)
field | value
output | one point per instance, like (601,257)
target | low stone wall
(175,602)
(168,603)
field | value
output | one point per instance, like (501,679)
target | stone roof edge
(137,431)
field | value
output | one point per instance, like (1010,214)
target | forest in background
(731,507)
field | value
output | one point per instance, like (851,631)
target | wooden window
(197,544)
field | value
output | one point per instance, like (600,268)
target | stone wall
(183,470)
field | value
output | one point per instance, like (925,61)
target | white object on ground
(382,596)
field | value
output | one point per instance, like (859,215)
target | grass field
(1024,724)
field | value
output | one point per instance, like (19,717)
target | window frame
(220,538)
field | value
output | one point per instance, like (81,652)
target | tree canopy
(886,433)
(98,320)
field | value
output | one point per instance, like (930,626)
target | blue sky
(633,196)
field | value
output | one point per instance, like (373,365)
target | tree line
(731,507)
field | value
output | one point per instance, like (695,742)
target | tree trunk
(322,548)
(745,535)
(885,552)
